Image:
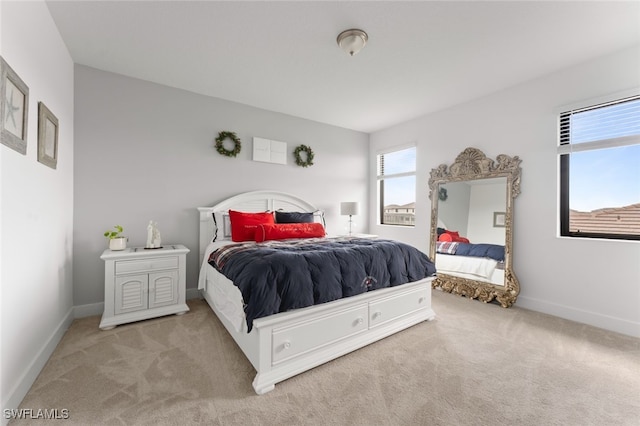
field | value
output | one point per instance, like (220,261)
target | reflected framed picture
(14,109)
(499,219)
(47,136)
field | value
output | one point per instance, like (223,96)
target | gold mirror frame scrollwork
(473,164)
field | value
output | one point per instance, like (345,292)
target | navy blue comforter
(492,251)
(278,276)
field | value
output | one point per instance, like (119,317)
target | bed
(288,343)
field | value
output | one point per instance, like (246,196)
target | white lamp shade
(349,208)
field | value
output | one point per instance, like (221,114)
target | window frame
(381,177)
(564,155)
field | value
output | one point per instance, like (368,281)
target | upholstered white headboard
(254,201)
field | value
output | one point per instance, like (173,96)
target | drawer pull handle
(359,321)
(421,300)
(377,315)
(287,345)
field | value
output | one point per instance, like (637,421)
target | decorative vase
(119,243)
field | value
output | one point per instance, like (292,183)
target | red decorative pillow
(281,231)
(452,236)
(444,237)
(243,225)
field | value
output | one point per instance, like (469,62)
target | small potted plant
(116,240)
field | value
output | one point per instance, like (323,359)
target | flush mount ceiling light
(352,41)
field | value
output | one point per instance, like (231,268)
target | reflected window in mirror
(396,179)
(600,170)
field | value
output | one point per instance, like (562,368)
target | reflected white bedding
(477,267)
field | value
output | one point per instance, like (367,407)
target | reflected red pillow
(243,225)
(445,237)
(454,236)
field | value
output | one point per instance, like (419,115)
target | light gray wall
(591,281)
(36,220)
(146,151)
(454,212)
(484,200)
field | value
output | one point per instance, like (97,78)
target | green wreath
(307,150)
(220,144)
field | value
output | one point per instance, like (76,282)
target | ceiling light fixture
(352,41)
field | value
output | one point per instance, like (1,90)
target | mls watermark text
(35,414)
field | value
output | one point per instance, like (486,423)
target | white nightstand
(143,283)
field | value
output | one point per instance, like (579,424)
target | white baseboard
(17,394)
(83,311)
(193,293)
(606,322)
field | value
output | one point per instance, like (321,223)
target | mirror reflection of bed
(471,235)
(470,242)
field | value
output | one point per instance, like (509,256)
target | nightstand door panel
(163,288)
(131,293)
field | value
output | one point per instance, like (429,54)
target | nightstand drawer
(146,265)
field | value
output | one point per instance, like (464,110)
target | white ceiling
(422,56)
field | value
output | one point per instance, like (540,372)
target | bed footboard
(286,344)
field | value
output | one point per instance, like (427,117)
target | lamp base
(350,226)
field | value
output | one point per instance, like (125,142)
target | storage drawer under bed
(385,310)
(301,338)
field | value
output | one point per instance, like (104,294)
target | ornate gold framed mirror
(472,226)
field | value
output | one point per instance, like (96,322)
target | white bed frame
(285,344)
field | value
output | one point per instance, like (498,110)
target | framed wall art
(499,219)
(47,136)
(14,109)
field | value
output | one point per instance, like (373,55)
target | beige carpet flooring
(476,364)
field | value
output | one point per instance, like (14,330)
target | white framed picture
(47,136)
(14,109)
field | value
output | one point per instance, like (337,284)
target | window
(600,171)
(397,187)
